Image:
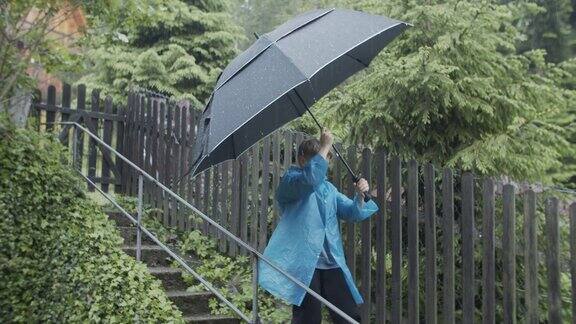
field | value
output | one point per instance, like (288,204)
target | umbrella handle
(367,195)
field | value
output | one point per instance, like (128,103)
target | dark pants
(331,285)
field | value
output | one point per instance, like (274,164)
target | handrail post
(255,319)
(139,218)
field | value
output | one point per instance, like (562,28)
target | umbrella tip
(256,35)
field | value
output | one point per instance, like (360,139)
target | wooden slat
(127,144)
(108,108)
(235,215)
(51,115)
(396,240)
(168,162)
(80,105)
(92,124)
(275,174)
(448,246)
(244,178)
(119,128)
(157,191)
(430,228)
(66,103)
(185,163)
(413,242)
(573,257)
(148,186)
(161,155)
(350,247)
(531,258)
(198,200)
(509,255)
(189,180)
(128,125)
(255,195)
(137,148)
(208,229)
(215,215)
(366,231)
(552,261)
(224,198)
(288,149)
(468,248)
(176,159)
(488,258)
(263,218)
(380,244)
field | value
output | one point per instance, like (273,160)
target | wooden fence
(444,247)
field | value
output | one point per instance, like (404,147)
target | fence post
(138,229)
(467,223)
(413,243)
(552,254)
(530,258)
(255,318)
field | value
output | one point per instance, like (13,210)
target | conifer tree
(454,90)
(550,29)
(175,47)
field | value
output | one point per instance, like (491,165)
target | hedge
(60,257)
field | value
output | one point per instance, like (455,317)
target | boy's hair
(310,147)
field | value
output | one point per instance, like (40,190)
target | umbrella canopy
(283,74)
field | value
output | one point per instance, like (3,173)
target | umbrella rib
(273,42)
(305,24)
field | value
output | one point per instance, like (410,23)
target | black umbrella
(282,75)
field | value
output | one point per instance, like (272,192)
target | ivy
(60,259)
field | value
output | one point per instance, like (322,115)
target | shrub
(60,259)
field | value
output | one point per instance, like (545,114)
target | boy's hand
(361,187)
(326,140)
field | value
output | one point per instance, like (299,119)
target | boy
(307,241)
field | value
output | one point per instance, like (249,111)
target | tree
(550,29)
(174,47)
(26,38)
(454,91)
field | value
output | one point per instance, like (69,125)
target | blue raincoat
(311,207)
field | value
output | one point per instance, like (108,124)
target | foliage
(453,90)
(231,275)
(174,47)
(60,259)
(549,29)
(234,277)
(26,40)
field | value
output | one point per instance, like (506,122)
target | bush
(60,259)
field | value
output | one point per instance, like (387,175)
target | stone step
(120,219)
(128,233)
(152,255)
(171,278)
(191,303)
(211,319)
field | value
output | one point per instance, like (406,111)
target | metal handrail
(257,255)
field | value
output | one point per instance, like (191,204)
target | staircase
(193,305)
